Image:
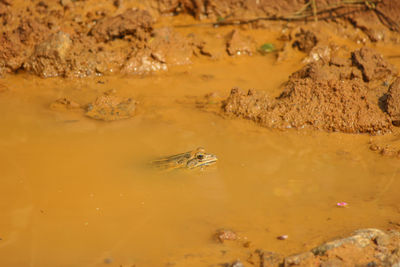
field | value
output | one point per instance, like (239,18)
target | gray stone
(360,238)
(298,258)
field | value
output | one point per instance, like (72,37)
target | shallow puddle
(71,194)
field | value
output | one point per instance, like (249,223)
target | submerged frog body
(188,160)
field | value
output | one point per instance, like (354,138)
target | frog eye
(200,156)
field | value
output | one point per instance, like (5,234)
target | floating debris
(342,204)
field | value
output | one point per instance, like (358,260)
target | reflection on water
(71,193)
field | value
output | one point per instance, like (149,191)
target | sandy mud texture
(88,37)
(80,38)
(337,94)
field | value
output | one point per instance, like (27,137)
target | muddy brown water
(71,196)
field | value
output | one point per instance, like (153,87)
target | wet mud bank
(86,38)
(332,94)
(364,247)
(92,76)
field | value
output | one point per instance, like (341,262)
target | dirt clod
(49,58)
(372,64)
(134,22)
(225,234)
(111,108)
(238,44)
(393,102)
(305,40)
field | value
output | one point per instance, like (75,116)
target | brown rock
(305,40)
(393,101)
(238,44)
(134,22)
(142,62)
(225,234)
(170,47)
(49,58)
(372,65)
(12,53)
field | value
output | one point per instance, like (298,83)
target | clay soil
(337,72)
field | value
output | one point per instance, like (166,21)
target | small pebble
(237,263)
(282,237)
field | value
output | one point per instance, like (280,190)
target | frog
(195,159)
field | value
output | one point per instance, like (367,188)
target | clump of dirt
(329,96)
(134,22)
(109,107)
(372,65)
(393,102)
(49,57)
(305,40)
(223,235)
(106,107)
(238,44)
